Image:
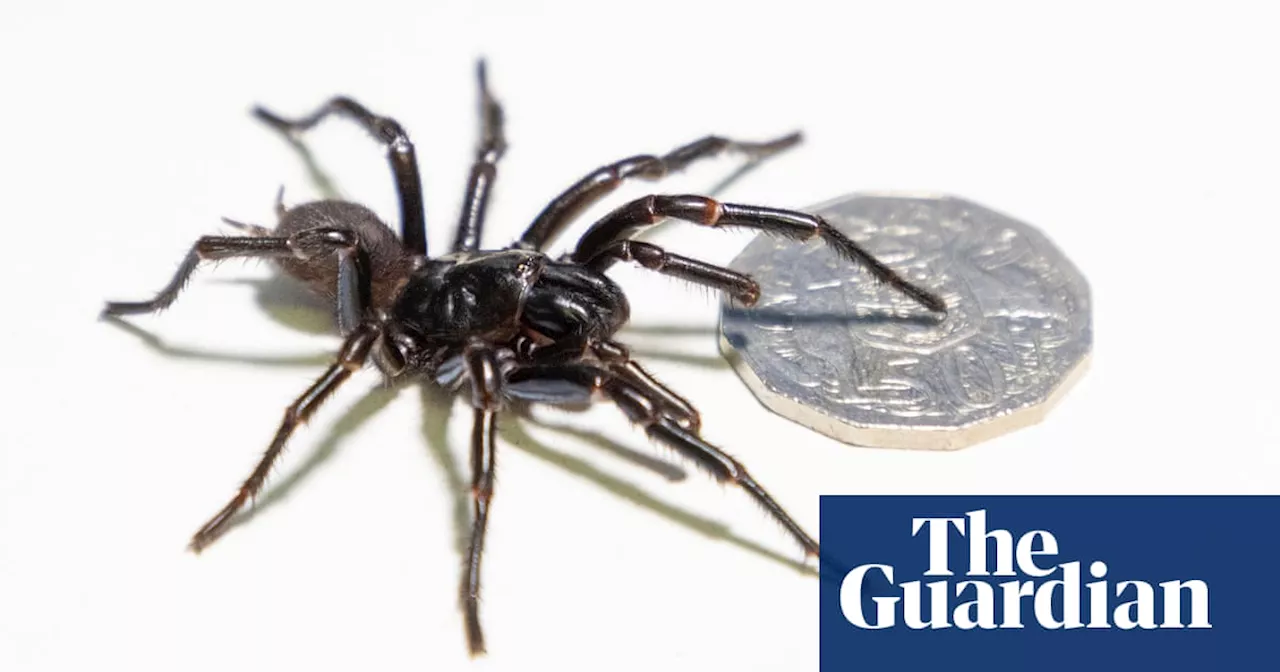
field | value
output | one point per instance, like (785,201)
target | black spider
(511,325)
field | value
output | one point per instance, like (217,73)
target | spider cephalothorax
(511,324)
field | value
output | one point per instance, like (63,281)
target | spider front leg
(353,280)
(649,210)
(600,182)
(207,248)
(400,154)
(486,396)
(355,350)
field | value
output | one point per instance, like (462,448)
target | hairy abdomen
(389,262)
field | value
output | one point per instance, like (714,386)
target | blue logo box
(1043,583)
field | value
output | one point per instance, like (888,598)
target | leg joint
(482,492)
(650,256)
(644,166)
(315,242)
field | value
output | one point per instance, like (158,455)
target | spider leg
(654,258)
(600,182)
(482,469)
(353,280)
(642,408)
(648,409)
(649,210)
(493,144)
(355,349)
(400,154)
(207,248)
(618,359)
(486,397)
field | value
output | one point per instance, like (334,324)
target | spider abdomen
(388,260)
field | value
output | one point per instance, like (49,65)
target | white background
(1142,139)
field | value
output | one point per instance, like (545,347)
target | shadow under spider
(156,344)
(438,406)
(319,177)
(515,434)
(687,358)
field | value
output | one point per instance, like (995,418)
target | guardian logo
(1015,596)
(1048,583)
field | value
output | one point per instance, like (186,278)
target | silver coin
(830,348)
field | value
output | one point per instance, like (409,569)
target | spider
(510,325)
